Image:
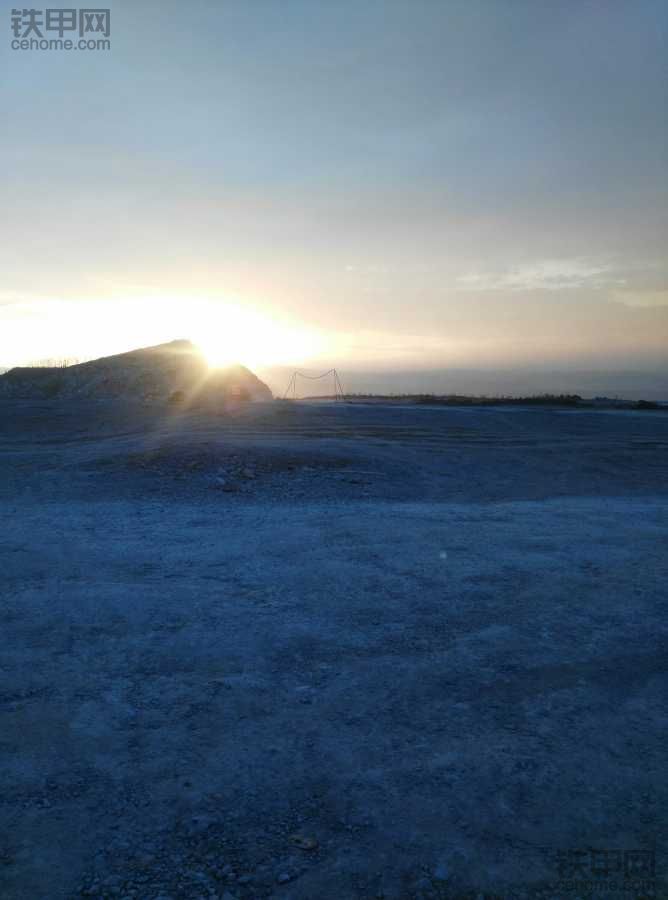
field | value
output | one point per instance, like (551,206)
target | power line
(331,373)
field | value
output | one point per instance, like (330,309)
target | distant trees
(59,363)
(481,400)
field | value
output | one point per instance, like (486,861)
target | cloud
(642,299)
(17,299)
(543,275)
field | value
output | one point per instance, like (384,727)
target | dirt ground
(334,651)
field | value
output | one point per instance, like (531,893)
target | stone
(304,842)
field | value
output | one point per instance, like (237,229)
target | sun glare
(226,333)
(235,335)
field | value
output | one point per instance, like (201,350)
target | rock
(304,842)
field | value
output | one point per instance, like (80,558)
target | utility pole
(336,381)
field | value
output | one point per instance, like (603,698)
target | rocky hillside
(175,371)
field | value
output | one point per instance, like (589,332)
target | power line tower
(291,391)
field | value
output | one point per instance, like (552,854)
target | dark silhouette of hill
(173,371)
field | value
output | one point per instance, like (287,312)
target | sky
(384,186)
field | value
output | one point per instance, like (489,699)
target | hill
(175,370)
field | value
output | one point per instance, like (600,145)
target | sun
(216,352)
(230,335)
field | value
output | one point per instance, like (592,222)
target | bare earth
(332,651)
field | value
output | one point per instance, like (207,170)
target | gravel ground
(332,651)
